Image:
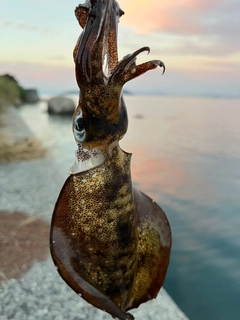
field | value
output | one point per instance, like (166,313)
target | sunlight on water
(186,155)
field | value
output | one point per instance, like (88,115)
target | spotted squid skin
(109,235)
(96,212)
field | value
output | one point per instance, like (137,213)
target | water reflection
(163,177)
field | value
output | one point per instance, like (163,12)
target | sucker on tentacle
(110,242)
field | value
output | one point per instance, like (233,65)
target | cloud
(8,25)
(182,17)
(198,28)
(211,46)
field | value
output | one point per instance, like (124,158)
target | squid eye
(78,128)
(79,124)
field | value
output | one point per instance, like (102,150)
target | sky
(198,40)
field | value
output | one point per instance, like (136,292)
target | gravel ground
(32,187)
(41,294)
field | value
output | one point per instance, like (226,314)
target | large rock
(61,105)
(31,96)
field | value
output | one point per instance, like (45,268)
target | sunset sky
(198,40)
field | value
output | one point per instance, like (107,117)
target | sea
(186,156)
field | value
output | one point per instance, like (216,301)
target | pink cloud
(166,16)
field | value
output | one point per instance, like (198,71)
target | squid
(110,242)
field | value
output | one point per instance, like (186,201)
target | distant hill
(12,93)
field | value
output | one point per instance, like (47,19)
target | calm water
(186,155)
